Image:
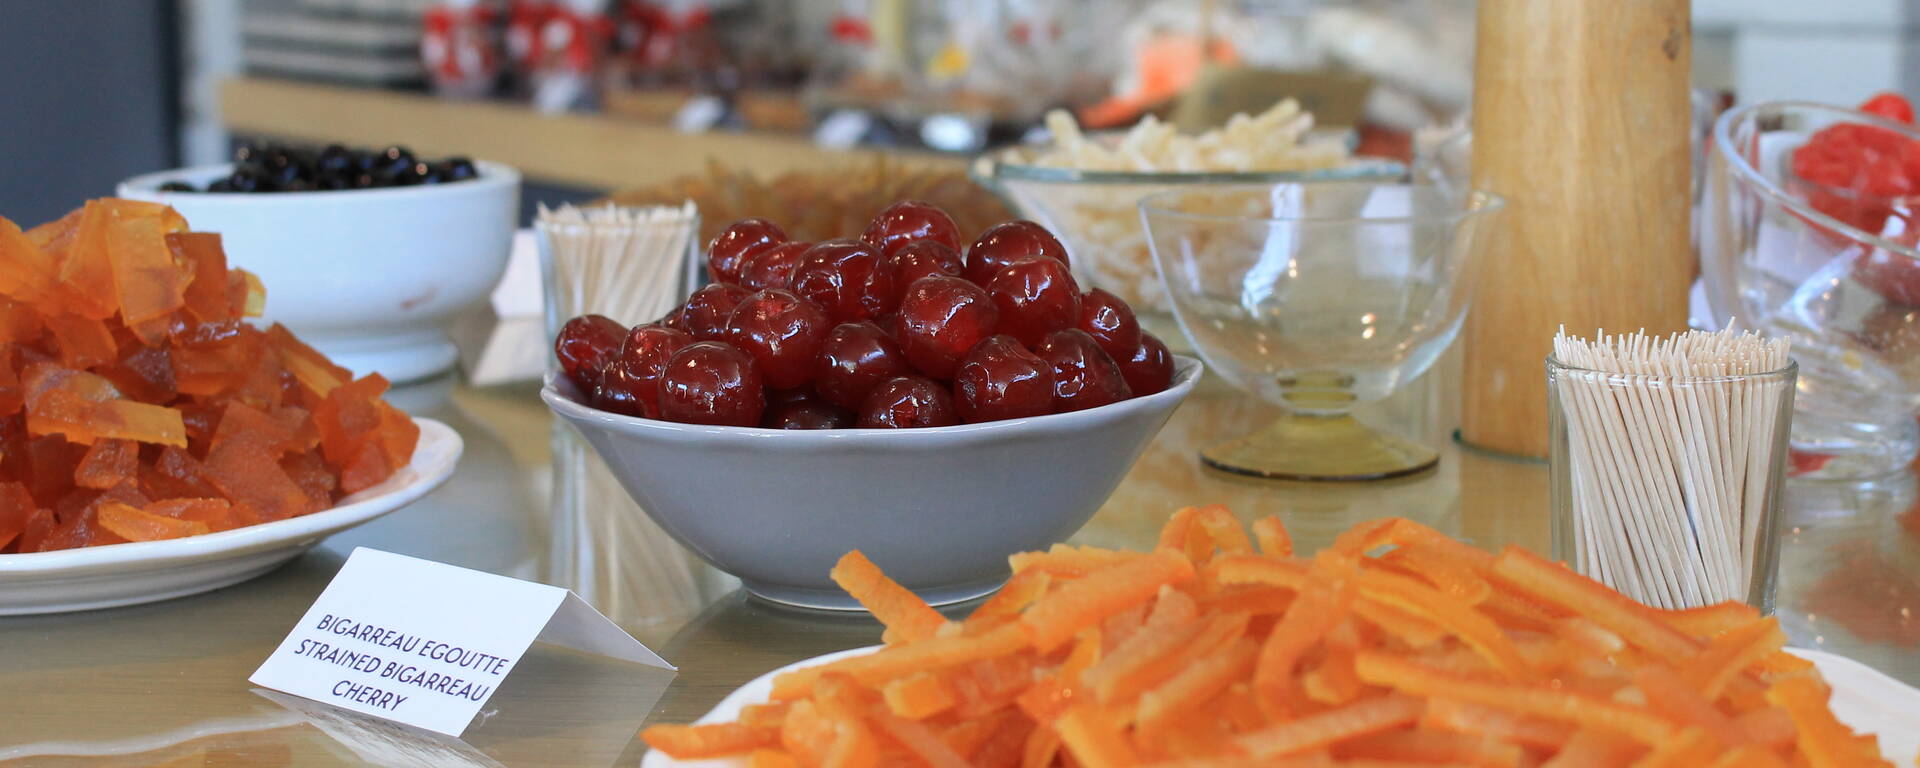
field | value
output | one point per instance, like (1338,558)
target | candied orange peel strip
(1397,646)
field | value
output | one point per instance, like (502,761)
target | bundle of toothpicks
(1672,448)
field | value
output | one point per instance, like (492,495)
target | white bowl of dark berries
(369,255)
(936,410)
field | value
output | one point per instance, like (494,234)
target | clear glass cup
(1319,297)
(1671,511)
(1834,269)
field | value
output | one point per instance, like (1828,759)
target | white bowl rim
(492,176)
(1186,373)
(373,502)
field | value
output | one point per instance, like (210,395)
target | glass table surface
(165,684)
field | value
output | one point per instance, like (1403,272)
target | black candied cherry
(178,186)
(710,382)
(1149,367)
(707,310)
(458,169)
(1084,375)
(1109,320)
(999,379)
(940,319)
(1008,242)
(584,347)
(855,358)
(844,277)
(924,258)
(906,402)
(806,412)
(773,267)
(631,384)
(1035,297)
(910,221)
(733,245)
(782,331)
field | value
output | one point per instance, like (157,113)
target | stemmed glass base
(1331,448)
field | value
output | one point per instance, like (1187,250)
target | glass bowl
(1834,270)
(1096,216)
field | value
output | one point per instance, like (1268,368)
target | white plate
(146,571)
(1863,698)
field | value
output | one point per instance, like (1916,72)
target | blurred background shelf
(589,151)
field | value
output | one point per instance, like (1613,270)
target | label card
(425,643)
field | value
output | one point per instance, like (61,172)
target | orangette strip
(893,661)
(1556,584)
(907,617)
(1054,619)
(1272,536)
(1333,726)
(1411,677)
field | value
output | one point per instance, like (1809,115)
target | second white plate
(143,572)
(1863,698)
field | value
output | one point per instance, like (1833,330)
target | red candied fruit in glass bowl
(730,249)
(940,319)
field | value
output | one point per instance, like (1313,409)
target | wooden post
(1581,120)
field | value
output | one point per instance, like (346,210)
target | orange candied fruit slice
(135,524)
(85,407)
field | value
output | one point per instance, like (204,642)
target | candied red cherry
(1109,320)
(924,258)
(806,413)
(782,331)
(585,345)
(911,221)
(1149,367)
(706,312)
(743,238)
(999,379)
(1008,242)
(844,277)
(632,382)
(906,402)
(855,358)
(708,382)
(1035,297)
(1084,375)
(675,318)
(772,268)
(940,319)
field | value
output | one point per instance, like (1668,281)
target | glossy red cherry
(1035,297)
(999,379)
(906,402)
(772,268)
(924,258)
(1148,368)
(1084,375)
(631,385)
(743,238)
(708,382)
(855,358)
(675,318)
(782,331)
(706,312)
(911,221)
(940,319)
(1110,322)
(584,347)
(1008,242)
(844,277)
(806,413)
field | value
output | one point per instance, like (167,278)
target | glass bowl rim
(1487,203)
(1792,369)
(991,167)
(1765,187)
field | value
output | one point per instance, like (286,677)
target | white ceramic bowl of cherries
(893,329)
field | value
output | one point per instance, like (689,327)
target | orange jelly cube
(34,535)
(245,423)
(19,324)
(85,270)
(107,463)
(86,406)
(12,397)
(247,473)
(147,281)
(27,271)
(205,297)
(84,342)
(216,514)
(16,505)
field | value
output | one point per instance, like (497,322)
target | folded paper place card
(425,643)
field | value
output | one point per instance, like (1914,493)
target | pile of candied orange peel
(136,404)
(1396,646)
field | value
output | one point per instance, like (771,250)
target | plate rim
(441,445)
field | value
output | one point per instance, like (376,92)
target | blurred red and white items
(556,48)
(458,47)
